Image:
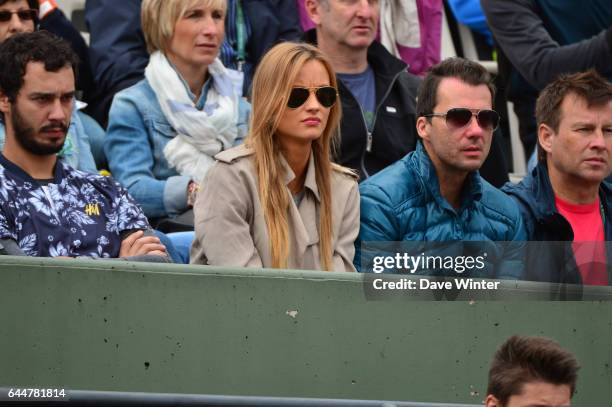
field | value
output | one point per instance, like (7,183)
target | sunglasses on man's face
(326,95)
(24,15)
(461,116)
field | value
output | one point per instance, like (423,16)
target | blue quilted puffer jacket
(403,203)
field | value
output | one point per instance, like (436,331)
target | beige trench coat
(230,227)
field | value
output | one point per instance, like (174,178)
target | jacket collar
(381,60)
(539,187)
(472,189)
(542,192)
(605,197)
(544,208)
(17,172)
(228,156)
(305,232)
(311,179)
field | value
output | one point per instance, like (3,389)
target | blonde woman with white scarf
(164,131)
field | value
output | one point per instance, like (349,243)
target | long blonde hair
(272,83)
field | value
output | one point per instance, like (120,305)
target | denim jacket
(137,133)
(76,151)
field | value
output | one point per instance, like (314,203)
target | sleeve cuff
(175,194)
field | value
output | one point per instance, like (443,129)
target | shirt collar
(19,173)
(311,176)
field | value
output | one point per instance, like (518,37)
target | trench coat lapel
(303,221)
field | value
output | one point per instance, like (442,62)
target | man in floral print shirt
(48,208)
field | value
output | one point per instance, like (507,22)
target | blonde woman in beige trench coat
(278,201)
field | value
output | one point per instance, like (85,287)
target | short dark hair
(20,49)
(525,359)
(467,71)
(590,86)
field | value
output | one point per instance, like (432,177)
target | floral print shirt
(74,214)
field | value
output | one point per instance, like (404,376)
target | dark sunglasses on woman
(24,15)
(326,95)
(461,116)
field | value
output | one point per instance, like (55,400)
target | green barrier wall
(184,329)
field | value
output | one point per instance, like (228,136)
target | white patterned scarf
(201,133)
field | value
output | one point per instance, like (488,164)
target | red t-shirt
(589,239)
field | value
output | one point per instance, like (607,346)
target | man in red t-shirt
(566,197)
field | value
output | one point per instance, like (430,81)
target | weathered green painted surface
(158,328)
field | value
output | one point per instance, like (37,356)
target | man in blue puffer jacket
(435,193)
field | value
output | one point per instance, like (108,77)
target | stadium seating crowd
(166,101)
